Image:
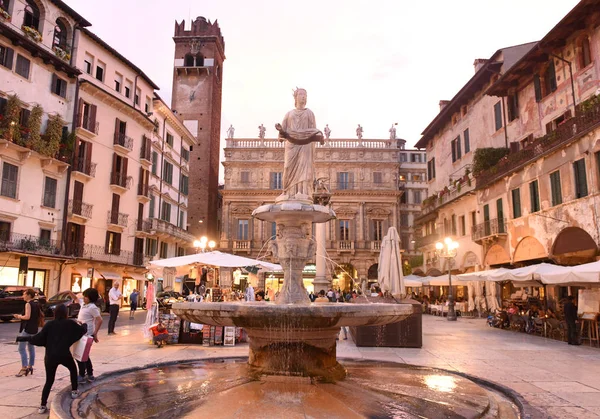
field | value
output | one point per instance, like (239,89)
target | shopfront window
(79,283)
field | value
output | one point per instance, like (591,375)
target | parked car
(167,298)
(66,298)
(11,300)
(70,300)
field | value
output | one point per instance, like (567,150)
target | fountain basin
(293,339)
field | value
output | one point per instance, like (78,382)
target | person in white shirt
(114,297)
(90,315)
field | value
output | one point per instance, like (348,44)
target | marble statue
(299,131)
(359,132)
(230,131)
(393,132)
(261,132)
(327,131)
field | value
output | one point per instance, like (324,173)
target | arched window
(189,60)
(32,15)
(60,35)
(585,55)
(199,60)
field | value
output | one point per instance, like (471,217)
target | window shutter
(580,179)
(351,183)
(125,160)
(80,112)
(107,242)
(552,75)
(78,191)
(458,150)
(453,146)
(117,125)
(151,207)
(537,86)
(53,84)
(467,141)
(25,116)
(8,58)
(88,155)
(63,88)
(92,125)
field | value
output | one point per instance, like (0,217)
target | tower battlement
(199,27)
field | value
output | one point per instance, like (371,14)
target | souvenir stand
(188,332)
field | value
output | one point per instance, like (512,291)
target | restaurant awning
(214,258)
(588,273)
(108,275)
(135,276)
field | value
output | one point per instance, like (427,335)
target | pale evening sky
(370,62)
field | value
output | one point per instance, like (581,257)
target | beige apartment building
(37,88)
(532,111)
(95,166)
(364,179)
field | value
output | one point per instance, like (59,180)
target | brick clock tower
(197,90)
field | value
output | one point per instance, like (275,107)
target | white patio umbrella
(528,273)
(480,304)
(481,275)
(389,270)
(588,273)
(414,281)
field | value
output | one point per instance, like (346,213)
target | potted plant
(4,15)
(32,33)
(62,52)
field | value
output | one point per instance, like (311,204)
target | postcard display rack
(226,336)
(173,324)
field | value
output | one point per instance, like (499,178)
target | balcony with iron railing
(101,253)
(120,180)
(165,228)
(143,190)
(88,168)
(123,141)
(80,209)
(117,218)
(427,240)
(457,189)
(586,119)
(488,229)
(26,243)
(88,124)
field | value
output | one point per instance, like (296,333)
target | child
(160,335)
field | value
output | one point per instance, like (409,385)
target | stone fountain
(292,370)
(293,336)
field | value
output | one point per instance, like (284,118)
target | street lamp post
(447,250)
(203,243)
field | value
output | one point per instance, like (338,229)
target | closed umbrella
(491,297)
(389,270)
(480,304)
(471,292)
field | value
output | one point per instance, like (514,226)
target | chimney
(478,63)
(443,104)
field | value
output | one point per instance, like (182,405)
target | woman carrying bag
(29,327)
(57,336)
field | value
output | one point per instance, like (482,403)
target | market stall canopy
(214,258)
(108,275)
(588,273)
(528,273)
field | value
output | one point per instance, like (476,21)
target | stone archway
(470,260)
(372,273)
(529,248)
(573,246)
(496,255)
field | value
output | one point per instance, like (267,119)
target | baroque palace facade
(366,184)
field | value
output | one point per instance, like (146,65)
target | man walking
(133,301)
(114,297)
(570,310)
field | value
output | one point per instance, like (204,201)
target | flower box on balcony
(4,15)
(62,53)
(32,33)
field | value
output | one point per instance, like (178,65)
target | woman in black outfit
(29,327)
(57,336)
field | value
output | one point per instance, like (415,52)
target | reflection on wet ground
(225,388)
